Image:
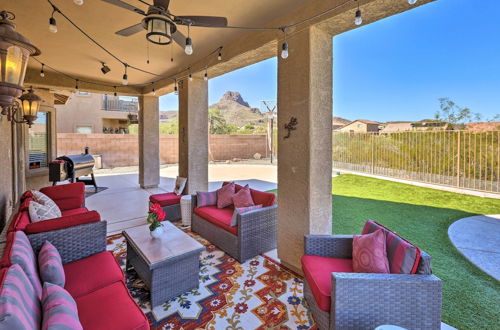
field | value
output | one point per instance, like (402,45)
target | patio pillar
(305,157)
(193,133)
(149,142)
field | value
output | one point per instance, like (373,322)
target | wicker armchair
(256,232)
(365,301)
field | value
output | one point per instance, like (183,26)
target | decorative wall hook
(291,126)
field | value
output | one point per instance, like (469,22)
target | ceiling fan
(161,25)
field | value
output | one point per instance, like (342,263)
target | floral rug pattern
(259,294)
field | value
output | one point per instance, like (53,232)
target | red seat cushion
(165,199)
(66,196)
(74,211)
(110,308)
(219,217)
(19,221)
(92,273)
(62,222)
(318,273)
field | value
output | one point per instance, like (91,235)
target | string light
(78,2)
(205,77)
(358,19)
(190,77)
(176,91)
(284,47)
(42,73)
(115,91)
(171,52)
(412,2)
(52,24)
(76,84)
(125,76)
(189,44)
(219,57)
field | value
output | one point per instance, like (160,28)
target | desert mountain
(237,111)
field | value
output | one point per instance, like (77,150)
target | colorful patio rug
(259,294)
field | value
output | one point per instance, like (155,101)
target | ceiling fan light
(159,30)
(189,46)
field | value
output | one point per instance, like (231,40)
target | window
(84,129)
(38,149)
(83,93)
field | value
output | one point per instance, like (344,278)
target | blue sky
(397,68)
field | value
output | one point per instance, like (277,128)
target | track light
(412,2)
(42,73)
(52,24)
(105,69)
(358,19)
(284,50)
(125,77)
(78,2)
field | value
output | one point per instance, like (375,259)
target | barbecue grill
(72,167)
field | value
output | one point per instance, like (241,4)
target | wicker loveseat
(255,232)
(342,299)
(70,198)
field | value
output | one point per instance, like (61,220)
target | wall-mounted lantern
(15,51)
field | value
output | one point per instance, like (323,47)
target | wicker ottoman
(169,266)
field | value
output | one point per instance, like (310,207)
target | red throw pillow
(243,198)
(225,195)
(369,254)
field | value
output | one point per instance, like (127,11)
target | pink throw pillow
(225,195)
(243,198)
(369,253)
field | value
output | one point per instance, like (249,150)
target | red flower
(241,308)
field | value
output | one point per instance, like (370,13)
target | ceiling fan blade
(209,21)
(179,38)
(161,3)
(130,30)
(125,5)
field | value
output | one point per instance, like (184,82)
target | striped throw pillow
(19,303)
(45,200)
(403,256)
(50,265)
(242,210)
(22,254)
(59,309)
(206,198)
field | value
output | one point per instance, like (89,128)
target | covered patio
(298,33)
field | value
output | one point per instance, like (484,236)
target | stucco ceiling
(70,52)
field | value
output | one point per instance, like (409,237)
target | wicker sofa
(365,301)
(93,277)
(255,232)
(70,198)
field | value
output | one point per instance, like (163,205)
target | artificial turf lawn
(471,298)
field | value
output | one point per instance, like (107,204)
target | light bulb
(189,46)
(358,19)
(219,57)
(412,2)
(52,25)
(190,77)
(154,92)
(205,77)
(284,50)
(78,2)
(42,73)
(125,79)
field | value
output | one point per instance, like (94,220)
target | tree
(457,116)
(217,124)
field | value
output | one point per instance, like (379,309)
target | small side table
(186,210)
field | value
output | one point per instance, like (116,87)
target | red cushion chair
(254,233)
(170,202)
(340,298)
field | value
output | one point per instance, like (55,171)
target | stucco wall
(123,149)
(5,171)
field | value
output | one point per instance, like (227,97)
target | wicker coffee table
(169,266)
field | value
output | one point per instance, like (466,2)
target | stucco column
(193,133)
(305,158)
(149,141)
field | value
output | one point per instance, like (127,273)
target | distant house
(431,125)
(339,122)
(361,126)
(397,126)
(483,127)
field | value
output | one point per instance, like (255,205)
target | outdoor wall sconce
(15,51)
(291,126)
